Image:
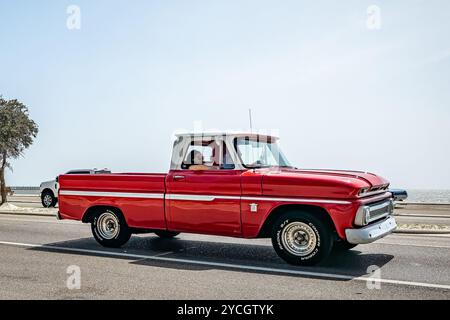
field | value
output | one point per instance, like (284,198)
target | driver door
(205,201)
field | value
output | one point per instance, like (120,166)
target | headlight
(362,216)
(363,191)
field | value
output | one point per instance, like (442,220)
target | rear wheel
(110,229)
(301,238)
(48,199)
(166,234)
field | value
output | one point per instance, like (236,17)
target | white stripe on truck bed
(112,194)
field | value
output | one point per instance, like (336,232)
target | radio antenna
(250,118)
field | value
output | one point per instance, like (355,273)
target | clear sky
(342,90)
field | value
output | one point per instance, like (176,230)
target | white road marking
(163,254)
(229,265)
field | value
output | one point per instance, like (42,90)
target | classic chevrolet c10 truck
(238,185)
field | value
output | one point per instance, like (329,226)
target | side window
(207,155)
(199,153)
(255,153)
(227,162)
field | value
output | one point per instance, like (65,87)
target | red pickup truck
(238,185)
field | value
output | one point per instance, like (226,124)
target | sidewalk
(9,208)
(423,209)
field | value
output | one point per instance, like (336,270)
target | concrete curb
(414,215)
(421,231)
(28,214)
(423,203)
(23,201)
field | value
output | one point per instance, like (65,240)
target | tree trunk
(2,186)
(2,180)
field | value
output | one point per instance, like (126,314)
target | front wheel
(110,229)
(301,238)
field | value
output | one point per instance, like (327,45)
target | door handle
(178,178)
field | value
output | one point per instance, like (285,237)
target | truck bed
(139,196)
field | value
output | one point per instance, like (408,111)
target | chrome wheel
(48,200)
(299,238)
(108,225)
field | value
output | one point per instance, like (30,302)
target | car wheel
(343,245)
(110,229)
(48,199)
(166,234)
(301,238)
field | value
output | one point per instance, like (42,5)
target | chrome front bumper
(371,232)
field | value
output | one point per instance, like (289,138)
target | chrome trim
(108,227)
(191,197)
(296,200)
(195,197)
(371,232)
(345,171)
(371,193)
(387,208)
(111,194)
(214,197)
(299,239)
(368,213)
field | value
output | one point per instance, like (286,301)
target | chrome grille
(380,210)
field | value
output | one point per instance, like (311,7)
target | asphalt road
(37,251)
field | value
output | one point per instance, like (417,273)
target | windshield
(257,153)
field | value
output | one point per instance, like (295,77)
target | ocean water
(437,196)
(26,191)
(414,195)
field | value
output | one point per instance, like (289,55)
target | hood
(320,183)
(372,179)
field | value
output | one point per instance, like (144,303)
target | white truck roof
(225,133)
